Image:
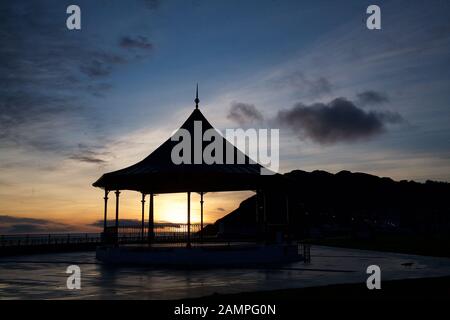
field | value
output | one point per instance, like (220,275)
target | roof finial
(197,100)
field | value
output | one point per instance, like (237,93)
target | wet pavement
(44,276)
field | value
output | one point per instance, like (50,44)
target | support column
(151,219)
(117,216)
(188,220)
(142,221)
(106,211)
(201,216)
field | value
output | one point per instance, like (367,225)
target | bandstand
(158,174)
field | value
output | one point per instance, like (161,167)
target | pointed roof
(158,174)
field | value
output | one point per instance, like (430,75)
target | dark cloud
(11,225)
(244,113)
(337,121)
(5,219)
(139,42)
(86,158)
(220,209)
(24,228)
(85,154)
(304,85)
(371,97)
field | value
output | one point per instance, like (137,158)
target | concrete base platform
(201,256)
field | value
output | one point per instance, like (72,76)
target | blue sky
(76,104)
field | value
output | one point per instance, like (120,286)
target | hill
(352,205)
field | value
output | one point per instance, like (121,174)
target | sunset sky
(77,104)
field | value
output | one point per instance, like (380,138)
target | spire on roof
(197,100)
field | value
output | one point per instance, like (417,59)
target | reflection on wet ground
(43,276)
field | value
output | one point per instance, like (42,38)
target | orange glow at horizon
(83,211)
(173,207)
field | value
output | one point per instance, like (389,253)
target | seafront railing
(162,232)
(17,240)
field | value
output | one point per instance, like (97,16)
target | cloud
(24,228)
(139,42)
(12,225)
(48,75)
(85,154)
(86,158)
(39,75)
(220,209)
(11,219)
(337,121)
(244,113)
(305,85)
(371,98)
